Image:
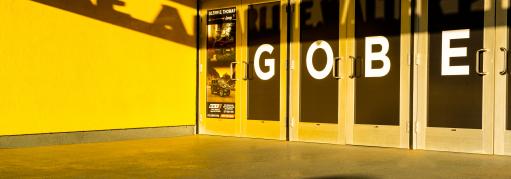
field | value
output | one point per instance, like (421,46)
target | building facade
(412,74)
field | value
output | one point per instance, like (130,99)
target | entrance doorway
(502,79)
(455,76)
(378,86)
(243,59)
(316,82)
(350,72)
(349,66)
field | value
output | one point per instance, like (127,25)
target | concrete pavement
(228,157)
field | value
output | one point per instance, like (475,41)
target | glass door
(265,61)
(316,79)
(502,79)
(378,62)
(220,59)
(455,73)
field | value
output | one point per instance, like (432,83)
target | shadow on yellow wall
(82,65)
(167,25)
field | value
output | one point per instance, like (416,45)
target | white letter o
(320,44)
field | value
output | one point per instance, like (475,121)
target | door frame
(218,126)
(378,135)
(311,131)
(240,126)
(263,128)
(448,139)
(502,135)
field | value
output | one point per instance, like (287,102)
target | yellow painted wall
(61,71)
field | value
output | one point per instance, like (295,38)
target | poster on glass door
(221,55)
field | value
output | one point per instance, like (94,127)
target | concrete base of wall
(33,140)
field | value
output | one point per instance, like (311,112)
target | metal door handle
(336,73)
(353,67)
(232,66)
(358,74)
(479,62)
(505,71)
(245,77)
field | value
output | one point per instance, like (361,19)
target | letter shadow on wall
(380,14)
(167,25)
